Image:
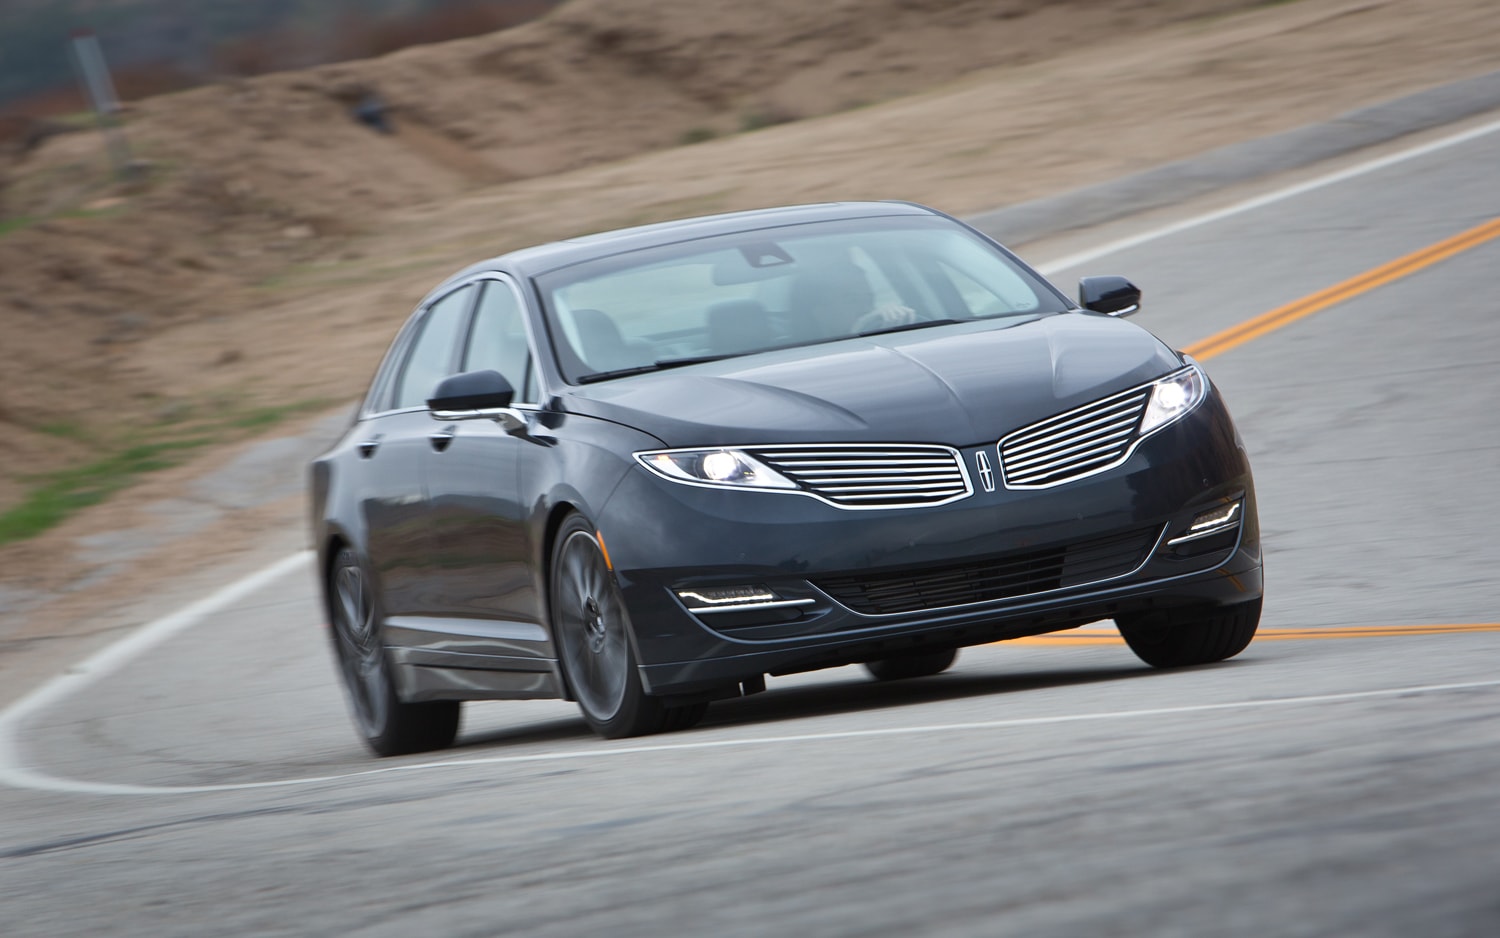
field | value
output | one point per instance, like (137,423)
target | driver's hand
(884,317)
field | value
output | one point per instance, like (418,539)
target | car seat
(737,327)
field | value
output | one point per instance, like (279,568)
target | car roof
(546,257)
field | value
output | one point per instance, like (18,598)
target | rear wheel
(923,664)
(389,726)
(592,630)
(1179,639)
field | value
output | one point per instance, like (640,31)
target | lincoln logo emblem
(986,474)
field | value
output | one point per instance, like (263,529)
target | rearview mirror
(1113,296)
(471,391)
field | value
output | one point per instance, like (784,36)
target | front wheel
(592,631)
(389,726)
(1180,639)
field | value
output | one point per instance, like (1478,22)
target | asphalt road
(1329,781)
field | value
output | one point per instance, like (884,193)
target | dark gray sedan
(644,469)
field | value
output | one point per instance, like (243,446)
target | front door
(481,556)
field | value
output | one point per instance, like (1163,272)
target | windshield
(776,288)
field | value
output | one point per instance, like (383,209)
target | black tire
(921,664)
(1180,639)
(592,630)
(389,726)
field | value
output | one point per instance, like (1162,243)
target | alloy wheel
(590,618)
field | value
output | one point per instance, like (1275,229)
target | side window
(432,354)
(498,339)
(379,396)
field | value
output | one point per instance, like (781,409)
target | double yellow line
(1099,637)
(1285,315)
(1339,292)
(1269,322)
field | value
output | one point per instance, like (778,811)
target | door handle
(368,447)
(441,439)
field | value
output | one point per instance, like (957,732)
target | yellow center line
(1267,322)
(1339,292)
(1097,637)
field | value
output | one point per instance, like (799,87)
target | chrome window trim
(509,419)
(405,351)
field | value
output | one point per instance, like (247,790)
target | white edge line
(13,768)
(15,773)
(48,783)
(1270,198)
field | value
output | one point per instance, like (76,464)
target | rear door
(393,445)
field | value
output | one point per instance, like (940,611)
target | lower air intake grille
(1005,577)
(872,476)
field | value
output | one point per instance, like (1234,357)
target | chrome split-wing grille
(872,476)
(1074,444)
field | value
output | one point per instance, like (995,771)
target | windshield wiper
(660,364)
(919,324)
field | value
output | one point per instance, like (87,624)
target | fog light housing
(1216,520)
(713,596)
(739,598)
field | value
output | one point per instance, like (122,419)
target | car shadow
(853,696)
(838,695)
(560,730)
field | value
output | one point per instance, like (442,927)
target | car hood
(961,385)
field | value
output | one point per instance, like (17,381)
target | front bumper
(1082,551)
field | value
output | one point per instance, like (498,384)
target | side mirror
(458,396)
(1112,296)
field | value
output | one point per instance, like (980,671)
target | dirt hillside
(246,181)
(275,242)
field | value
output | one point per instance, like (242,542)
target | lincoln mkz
(642,470)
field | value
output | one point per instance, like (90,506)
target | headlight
(730,468)
(1172,397)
